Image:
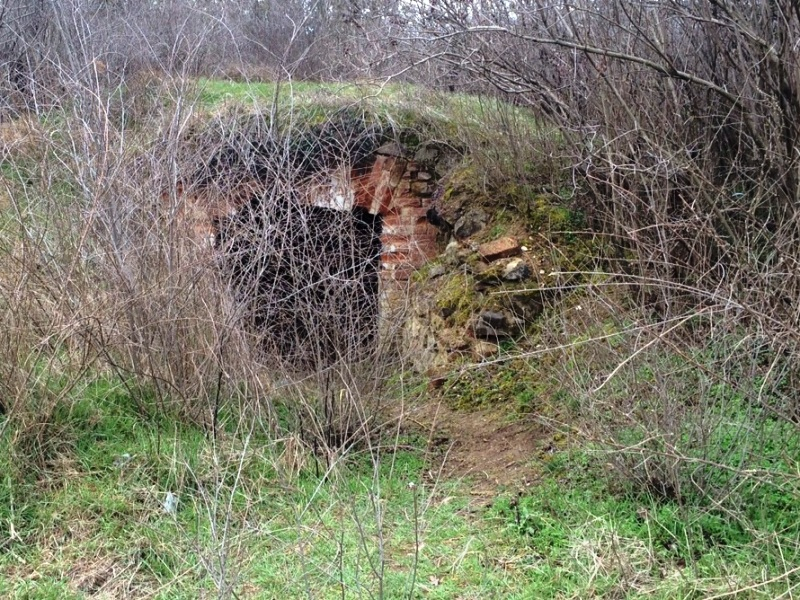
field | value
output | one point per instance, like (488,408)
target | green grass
(82,489)
(587,538)
(216,92)
(377,524)
(515,385)
(454,116)
(93,518)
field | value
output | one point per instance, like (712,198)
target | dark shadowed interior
(306,279)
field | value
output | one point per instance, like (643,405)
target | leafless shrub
(303,263)
(680,121)
(108,251)
(686,149)
(109,266)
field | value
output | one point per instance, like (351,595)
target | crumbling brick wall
(305,229)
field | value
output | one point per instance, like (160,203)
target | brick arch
(390,185)
(400,190)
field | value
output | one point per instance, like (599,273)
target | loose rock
(437,271)
(516,270)
(391,149)
(491,326)
(470,223)
(501,248)
(422,188)
(426,154)
(482,350)
(451,253)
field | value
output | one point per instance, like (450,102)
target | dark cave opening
(306,279)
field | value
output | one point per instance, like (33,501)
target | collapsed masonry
(308,224)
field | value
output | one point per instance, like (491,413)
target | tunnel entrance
(309,222)
(305,277)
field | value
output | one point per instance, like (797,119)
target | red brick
(502,248)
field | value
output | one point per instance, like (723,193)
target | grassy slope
(92,520)
(395,98)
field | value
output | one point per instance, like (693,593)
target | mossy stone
(457,299)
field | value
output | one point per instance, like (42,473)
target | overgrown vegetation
(255,515)
(166,433)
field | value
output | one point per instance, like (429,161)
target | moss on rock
(457,299)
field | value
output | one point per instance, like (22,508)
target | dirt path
(482,446)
